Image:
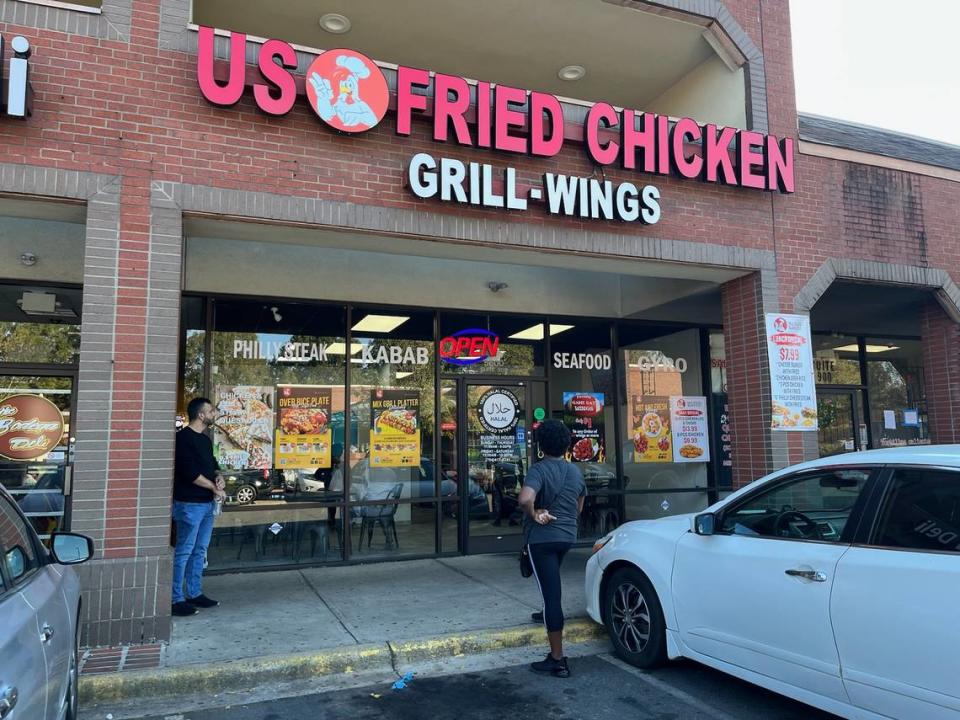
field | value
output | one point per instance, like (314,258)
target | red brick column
(748,378)
(941,365)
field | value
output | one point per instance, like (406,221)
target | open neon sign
(469,347)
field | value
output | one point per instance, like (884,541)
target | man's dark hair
(554,438)
(195,406)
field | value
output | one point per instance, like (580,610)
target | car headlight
(598,545)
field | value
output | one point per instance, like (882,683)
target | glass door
(839,414)
(495,418)
(36,451)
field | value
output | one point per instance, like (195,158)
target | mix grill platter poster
(792,388)
(394,428)
(303,439)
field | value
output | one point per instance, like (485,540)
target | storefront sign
(498,412)
(825,368)
(469,347)
(583,415)
(394,428)
(688,418)
(303,436)
(16,95)
(305,352)
(349,93)
(657,362)
(244,432)
(590,361)
(792,386)
(722,441)
(652,437)
(30,427)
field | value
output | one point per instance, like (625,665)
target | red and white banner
(792,382)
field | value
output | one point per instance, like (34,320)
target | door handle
(812,575)
(46,633)
(8,701)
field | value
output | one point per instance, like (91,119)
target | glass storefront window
(193,323)
(895,383)
(581,395)
(836,360)
(506,345)
(392,399)
(654,368)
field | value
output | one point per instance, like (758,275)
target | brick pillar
(748,378)
(941,370)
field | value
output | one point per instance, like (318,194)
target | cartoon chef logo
(347,90)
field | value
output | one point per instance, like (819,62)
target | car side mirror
(705,524)
(70,548)
(16,560)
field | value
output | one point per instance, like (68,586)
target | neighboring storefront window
(895,383)
(836,360)
(655,369)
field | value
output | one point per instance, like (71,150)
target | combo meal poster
(792,380)
(394,428)
(303,434)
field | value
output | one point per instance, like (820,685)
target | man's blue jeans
(194,527)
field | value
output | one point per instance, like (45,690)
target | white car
(39,619)
(835,582)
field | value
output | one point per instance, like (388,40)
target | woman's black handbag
(526,569)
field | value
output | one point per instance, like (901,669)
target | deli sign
(349,93)
(30,427)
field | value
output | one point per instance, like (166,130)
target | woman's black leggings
(546,559)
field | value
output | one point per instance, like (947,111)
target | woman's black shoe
(202,601)
(183,609)
(537,617)
(557,668)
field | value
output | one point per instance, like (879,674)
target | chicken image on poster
(583,416)
(243,432)
(303,427)
(394,428)
(652,436)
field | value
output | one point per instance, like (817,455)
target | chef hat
(355,65)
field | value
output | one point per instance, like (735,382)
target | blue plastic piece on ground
(401,684)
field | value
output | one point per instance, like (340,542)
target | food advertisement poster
(303,434)
(583,415)
(652,437)
(792,380)
(243,432)
(394,428)
(688,418)
(498,412)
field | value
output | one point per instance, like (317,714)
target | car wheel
(634,619)
(246,494)
(73,677)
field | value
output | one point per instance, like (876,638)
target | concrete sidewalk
(298,624)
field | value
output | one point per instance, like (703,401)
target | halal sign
(498,411)
(30,427)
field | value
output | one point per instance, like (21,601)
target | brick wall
(941,366)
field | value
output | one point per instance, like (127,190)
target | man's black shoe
(183,609)
(202,601)
(557,668)
(537,617)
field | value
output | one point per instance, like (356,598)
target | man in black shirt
(196,483)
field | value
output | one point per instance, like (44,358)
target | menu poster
(243,432)
(583,415)
(304,436)
(652,438)
(792,380)
(688,417)
(394,428)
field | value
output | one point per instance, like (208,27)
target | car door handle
(812,575)
(46,633)
(8,701)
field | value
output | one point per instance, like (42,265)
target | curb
(244,674)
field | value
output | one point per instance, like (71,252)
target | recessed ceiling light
(869,348)
(335,23)
(535,332)
(380,323)
(572,72)
(339,348)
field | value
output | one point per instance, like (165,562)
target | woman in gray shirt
(552,500)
